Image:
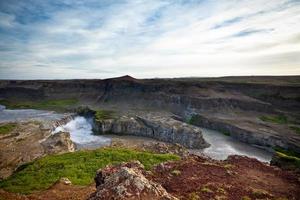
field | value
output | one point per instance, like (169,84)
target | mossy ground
(104,114)
(289,156)
(80,167)
(278,119)
(282,119)
(53,104)
(6,128)
(296,129)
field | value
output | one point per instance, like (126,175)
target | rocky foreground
(192,177)
(29,141)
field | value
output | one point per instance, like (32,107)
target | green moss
(7,128)
(296,129)
(228,166)
(54,104)
(246,198)
(193,196)
(80,167)
(291,160)
(278,119)
(206,190)
(287,152)
(103,114)
(221,190)
(176,172)
(258,193)
(227,133)
(193,120)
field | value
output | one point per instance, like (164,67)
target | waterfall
(81,133)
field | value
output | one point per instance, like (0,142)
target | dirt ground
(196,178)
(236,178)
(58,191)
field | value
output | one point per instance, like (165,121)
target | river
(222,146)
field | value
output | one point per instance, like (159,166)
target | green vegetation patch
(296,129)
(293,160)
(54,104)
(104,114)
(7,128)
(290,158)
(80,167)
(194,119)
(278,119)
(287,152)
(227,133)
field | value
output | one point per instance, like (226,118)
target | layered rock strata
(162,128)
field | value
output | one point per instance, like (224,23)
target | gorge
(210,118)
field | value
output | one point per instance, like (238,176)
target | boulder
(58,143)
(127,181)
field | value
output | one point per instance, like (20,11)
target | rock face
(226,96)
(162,128)
(127,181)
(27,142)
(261,134)
(58,143)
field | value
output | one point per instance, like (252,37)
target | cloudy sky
(47,39)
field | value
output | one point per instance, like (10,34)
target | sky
(69,39)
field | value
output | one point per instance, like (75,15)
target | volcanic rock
(127,181)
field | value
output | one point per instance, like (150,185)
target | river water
(222,146)
(81,133)
(8,115)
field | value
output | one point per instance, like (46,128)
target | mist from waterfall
(81,133)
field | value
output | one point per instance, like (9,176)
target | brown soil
(196,178)
(235,178)
(58,191)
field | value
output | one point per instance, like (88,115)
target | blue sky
(48,39)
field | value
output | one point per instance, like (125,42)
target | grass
(53,104)
(80,167)
(290,158)
(278,119)
(287,152)
(7,128)
(296,129)
(103,114)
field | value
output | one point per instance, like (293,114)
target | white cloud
(156,39)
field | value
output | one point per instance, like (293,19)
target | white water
(8,115)
(222,146)
(81,133)
(80,130)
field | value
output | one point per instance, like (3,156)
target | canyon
(231,104)
(176,116)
